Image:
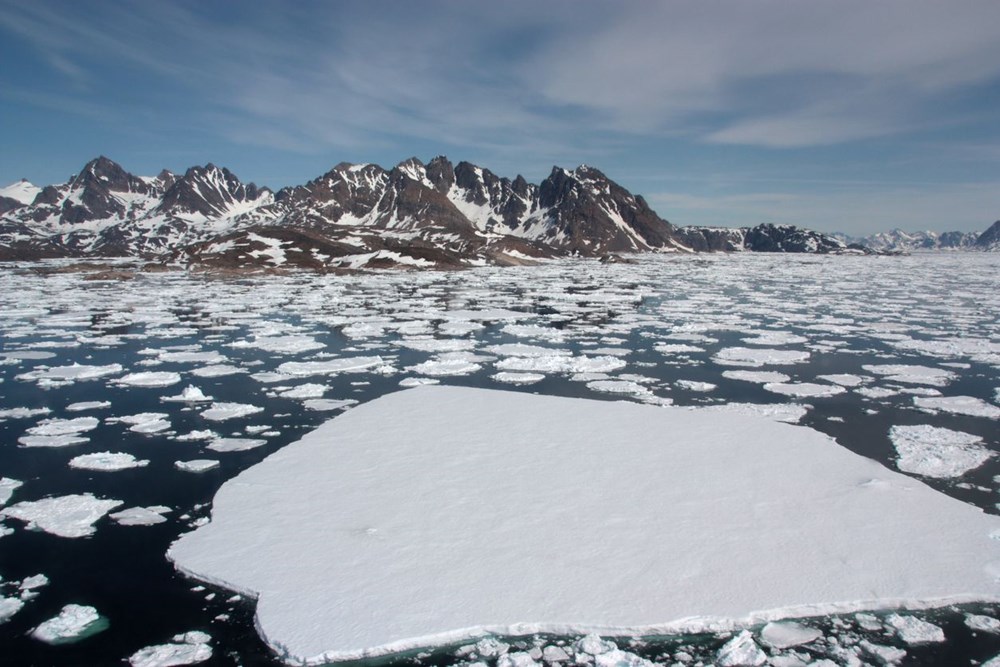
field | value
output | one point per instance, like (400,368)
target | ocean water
(661,329)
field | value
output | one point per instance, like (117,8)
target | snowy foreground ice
(438,514)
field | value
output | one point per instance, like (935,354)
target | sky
(837,115)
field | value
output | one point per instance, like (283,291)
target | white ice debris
(912,630)
(217,370)
(141,516)
(982,623)
(224,411)
(235,444)
(7,488)
(561,364)
(786,634)
(66,516)
(694,385)
(782,412)
(933,451)
(308,390)
(805,389)
(327,404)
(85,406)
(67,374)
(190,648)
(756,357)
(196,465)
(74,622)
(64,426)
(760,377)
(149,379)
(437,367)
(740,650)
(330,367)
(191,394)
(912,374)
(518,378)
(22,413)
(281,344)
(8,607)
(619,387)
(389,526)
(107,461)
(960,405)
(416,382)
(843,379)
(144,422)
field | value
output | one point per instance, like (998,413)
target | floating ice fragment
(191,394)
(107,461)
(786,634)
(983,623)
(64,426)
(74,623)
(760,377)
(562,364)
(344,365)
(235,444)
(72,373)
(149,379)
(88,405)
(741,650)
(184,357)
(217,370)
(619,387)
(911,374)
(843,379)
(756,357)
(416,382)
(886,655)
(523,469)
(196,465)
(22,413)
(281,344)
(141,516)
(693,385)
(805,389)
(66,516)
(224,411)
(937,452)
(437,368)
(327,404)
(912,630)
(188,649)
(518,378)
(51,440)
(308,390)
(960,405)
(7,488)
(9,607)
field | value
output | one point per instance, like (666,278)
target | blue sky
(844,115)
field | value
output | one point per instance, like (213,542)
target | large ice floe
(438,514)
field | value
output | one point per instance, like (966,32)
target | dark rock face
(990,239)
(356,216)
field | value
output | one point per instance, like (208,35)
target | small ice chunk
(756,357)
(912,374)
(191,394)
(517,659)
(9,607)
(74,622)
(693,385)
(29,584)
(782,412)
(843,379)
(107,461)
(7,488)
(188,649)
(805,389)
(740,650)
(204,434)
(886,655)
(442,367)
(518,378)
(982,623)
(224,411)
(592,644)
(149,379)
(217,370)
(417,382)
(937,452)
(64,426)
(141,516)
(327,404)
(196,465)
(345,365)
(619,387)
(760,377)
(786,634)
(72,373)
(676,348)
(913,631)
(308,390)
(66,516)
(235,444)
(959,405)
(51,440)
(22,413)
(84,406)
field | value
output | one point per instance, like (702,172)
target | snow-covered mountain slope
(897,240)
(353,216)
(990,239)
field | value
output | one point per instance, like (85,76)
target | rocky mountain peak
(990,239)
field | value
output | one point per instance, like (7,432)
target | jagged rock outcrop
(990,239)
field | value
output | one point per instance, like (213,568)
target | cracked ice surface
(521,470)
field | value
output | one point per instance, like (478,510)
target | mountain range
(897,240)
(357,216)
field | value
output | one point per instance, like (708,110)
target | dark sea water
(933,311)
